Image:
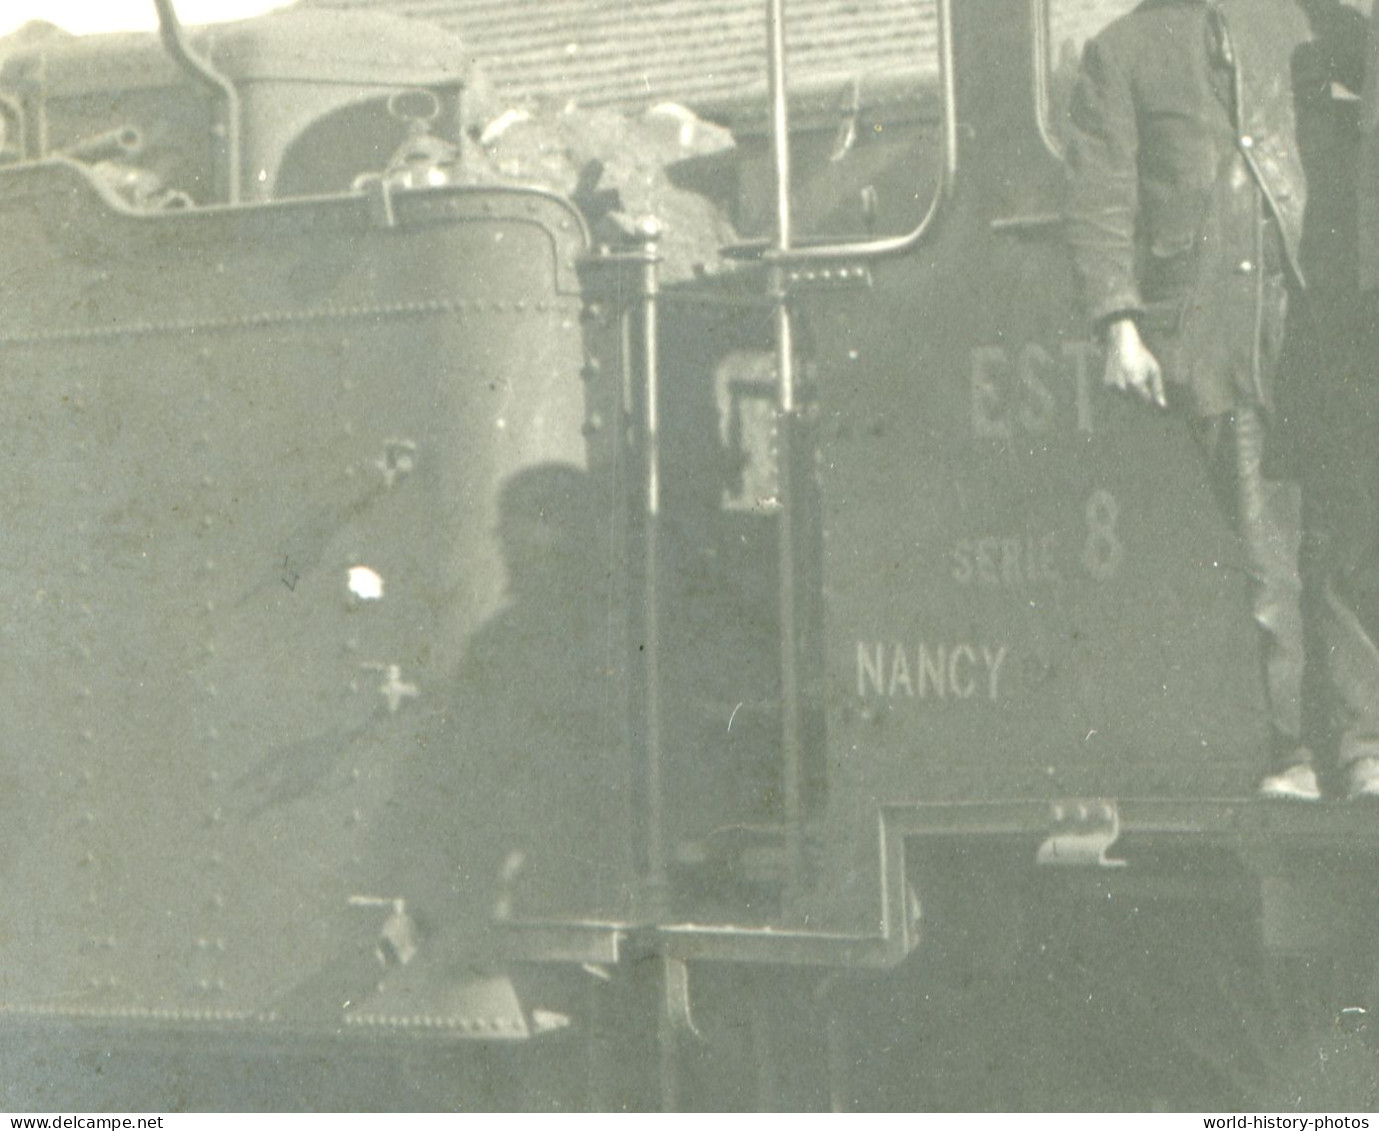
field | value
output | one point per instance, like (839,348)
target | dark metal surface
(257,624)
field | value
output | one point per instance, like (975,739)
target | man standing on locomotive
(1185,219)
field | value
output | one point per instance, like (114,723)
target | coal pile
(615,168)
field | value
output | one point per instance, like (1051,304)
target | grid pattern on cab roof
(635,53)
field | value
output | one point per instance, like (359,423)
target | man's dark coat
(1188,185)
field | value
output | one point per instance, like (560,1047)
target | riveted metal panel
(260,638)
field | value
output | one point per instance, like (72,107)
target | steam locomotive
(452,658)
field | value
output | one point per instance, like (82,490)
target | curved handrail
(1043,102)
(808,252)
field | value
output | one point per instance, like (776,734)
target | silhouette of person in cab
(518,806)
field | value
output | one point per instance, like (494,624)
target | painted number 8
(1103,553)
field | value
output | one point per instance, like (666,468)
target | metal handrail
(808,252)
(786,583)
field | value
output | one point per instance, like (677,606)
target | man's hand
(1130,367)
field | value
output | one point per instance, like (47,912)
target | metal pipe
(780,119)
(201,71)
(787,536)
(125,141)
(786,404)
(657,871)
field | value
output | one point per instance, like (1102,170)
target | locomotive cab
(1008,687)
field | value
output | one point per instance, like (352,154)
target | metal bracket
(379,189)
(1082,834)
(1044,225)
(833,278)
(397,940)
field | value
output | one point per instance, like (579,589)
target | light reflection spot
(365,583)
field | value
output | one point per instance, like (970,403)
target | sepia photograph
(690,555)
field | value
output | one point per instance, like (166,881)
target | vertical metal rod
(657,878)
(667,1042)
(785,420)
(780,120)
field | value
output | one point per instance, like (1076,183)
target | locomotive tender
(447,662)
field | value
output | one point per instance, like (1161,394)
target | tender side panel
(262,649)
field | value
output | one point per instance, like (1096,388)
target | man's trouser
(1267,514)
(1339,561)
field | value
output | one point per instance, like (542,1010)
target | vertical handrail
(786,409)
(780,119)
(202,71)
(657,866)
